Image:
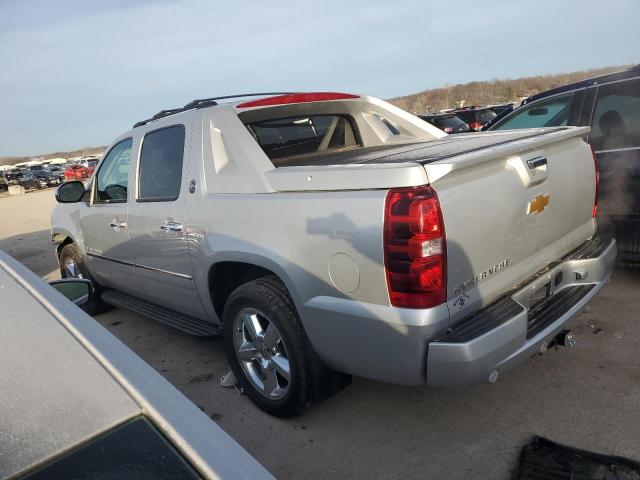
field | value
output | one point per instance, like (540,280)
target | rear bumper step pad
(505,333)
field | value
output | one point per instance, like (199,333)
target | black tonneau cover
(418,152)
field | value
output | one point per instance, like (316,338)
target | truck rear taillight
(594,211)
(415,252)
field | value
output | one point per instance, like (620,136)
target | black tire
(310,380)
(70,252)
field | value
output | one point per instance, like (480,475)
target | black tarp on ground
(542,459)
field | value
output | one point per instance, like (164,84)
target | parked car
(327,235)
(12,176)
(476,117)
(89,162)
(27,180)
(77,172)
(77,403)
(58,170)
(501,109)
(610,105)
(447,122)
(46,177)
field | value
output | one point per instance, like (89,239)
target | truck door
(615,138)
(157,221)
(104,223)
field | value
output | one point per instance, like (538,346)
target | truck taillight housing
(594,211)
(415,250)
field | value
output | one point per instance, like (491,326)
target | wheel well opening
(225,277)
(63,244)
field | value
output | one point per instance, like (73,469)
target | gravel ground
(587,397)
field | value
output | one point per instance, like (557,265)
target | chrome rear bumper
(509,331)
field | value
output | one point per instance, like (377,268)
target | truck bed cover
(423,152)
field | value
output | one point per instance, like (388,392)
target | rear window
(448,121)
(482,116)
(283,138)
(486,115)
(466,116)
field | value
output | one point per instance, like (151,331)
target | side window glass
(553,112)
(160,174)
(113,176)
(616,118)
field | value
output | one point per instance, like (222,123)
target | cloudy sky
(75,73)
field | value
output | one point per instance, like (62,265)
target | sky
(77,73)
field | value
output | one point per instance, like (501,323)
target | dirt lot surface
(587,397)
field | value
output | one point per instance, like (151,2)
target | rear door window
(616,117)
(448,121)
(552,112)
(303,135)
(485,116)
(160,173)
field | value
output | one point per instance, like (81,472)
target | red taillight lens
(476,126)
(415,248)
(594,211)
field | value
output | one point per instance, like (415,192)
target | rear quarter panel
(296,235)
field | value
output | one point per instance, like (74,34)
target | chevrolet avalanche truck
(326,235)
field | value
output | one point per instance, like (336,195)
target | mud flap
(542,459)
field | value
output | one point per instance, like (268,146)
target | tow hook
(563,339)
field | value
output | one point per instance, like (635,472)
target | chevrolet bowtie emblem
(538,204)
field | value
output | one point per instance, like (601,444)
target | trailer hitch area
(563,339)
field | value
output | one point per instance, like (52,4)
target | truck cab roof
(607,78)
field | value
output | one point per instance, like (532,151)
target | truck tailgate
(508,215)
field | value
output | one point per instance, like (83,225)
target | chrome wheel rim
(71,269)
(262,354)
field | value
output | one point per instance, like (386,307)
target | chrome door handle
(536,162)
(115,223)
(171,227)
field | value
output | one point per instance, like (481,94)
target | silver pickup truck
(327,235)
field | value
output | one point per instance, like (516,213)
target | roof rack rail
(203,103)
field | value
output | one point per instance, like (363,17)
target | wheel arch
(225,275)
(61,239)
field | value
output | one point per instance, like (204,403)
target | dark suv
(610,104)
(448,122)
(46,177)
(476,117)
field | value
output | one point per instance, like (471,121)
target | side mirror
(70,192)
(536,112)
(77,290)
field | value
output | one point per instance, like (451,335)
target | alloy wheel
(71,269)
(262,354)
